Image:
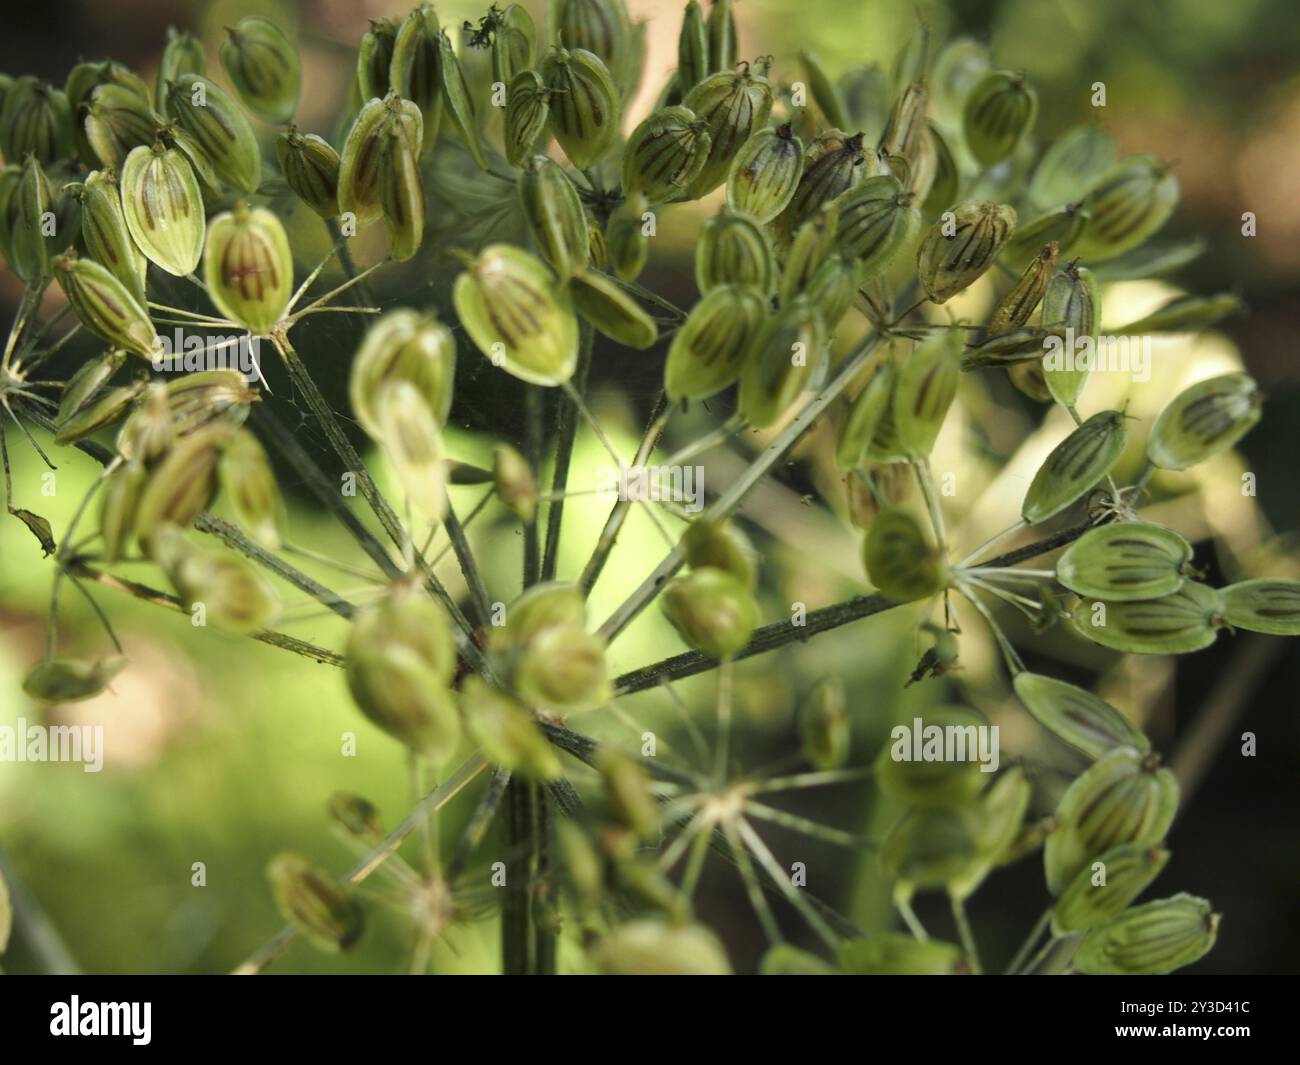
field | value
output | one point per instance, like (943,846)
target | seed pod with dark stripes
(733,249)
(375,59)
(1017,306)
(528,110)
(514,41)
(554,214)
(722,36)
(104,231)
(927,385)
(180,486)
(361,160)
(999,111)
(884,446)
(313,902)
(219,128)
(163,207)
(182,54)
(31,208)
(413,73)
(765,173)
(198,399)
(601,27)
(458,104)
(117,505)
(1062,225)
(1127,871)
(248,485)
(98,414)
(1187,620)
(1204,420)
(310,166)
(82,81)
(956,252)
(412,443)
(517,316)
(863,417)
(901,562)
(105,306)
(664,154)
(1151,939)
(584,105)
(833,163)
(1266,604)
(401,190)
(733,105)
(1124,797)
(626,241)
(36,120)
(1077,717)
(788,353)
(1125,560)
(1073,302)
(812,245)
(876,219)
(604,304)
(248,267)
(1130,203)
(148,431)
(1076,464)
(708,542)
(84,385)
(263,67)
(692,48)
(1186,314)
(1021,345)
(407,346)
(946,182)
(1071,166)
(709,350)
(117,120)
(833,287)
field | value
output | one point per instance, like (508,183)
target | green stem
(1040,926)
(566,431)
(967,936)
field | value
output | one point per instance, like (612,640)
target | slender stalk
(566,431)
(967,936)
(345,259)
(468,565)
(1040,926)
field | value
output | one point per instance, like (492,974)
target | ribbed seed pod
(458,104)
(863,417)
(219,130)
(1077,717)
(263,67)
(310,166)
(833,164)
(1002,810)
(900,561)
(1071,166)
(650,946)
(833,287)
(414,71)
(96,415)
(528,110)
(604,304)
(401,191)
(66,680)
(765,173)
(507,732)
(148,431)
(9,179)
(209,396)
(554,214)
(788,353)
(514,42)
(1127,871)
(403,345)
(163,208)
(813,244)
(400,659)
(1017,306)
(1129,204)
(1204,420)
(182,54)
(626,242)
(1186,314)
(517,316)
(721,25)
(248,484)
(1151,939)
(876,219)
(84,385)
(664,154)
(953,257)
(1125,560)
(692,48)
(117,504)
(824,725)
(601,27)
(1076,464)
(314,903)
(375,59)
(927,385)
(105,306)
(36,120)
(82,82)
(712,611)
(584,105)
(104,232)
(1072,301)
(116,121)
(182,484)
(516,486)
(899,954)
(733,249)
(1124,797)
(1062,225)
(709,350)
(1187,620)
(999,111)
(707,542)
(33,201)
(733,106)
(905,135)
(248,267)
(1266,605)
(362,158)
(412,443)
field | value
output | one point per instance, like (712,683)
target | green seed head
(1156,937)
(1204,420)
(263,67)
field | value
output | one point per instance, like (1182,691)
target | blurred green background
(223,751)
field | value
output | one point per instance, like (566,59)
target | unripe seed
(310,166)
(554,214)
(765,173)
(665,154)
(900,561)
(712,610)
(999,111)
(733,106)
(263,66)
(1184,621)
(248,267)
(163,208)
(584,105)
(314,903)
(709,350)
(105,306)
(1129,869)
(403,346)
(733,249)
(1204,420)
(1076,464)
(1154,938)
(219,129)
(950,261)
(603,303)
